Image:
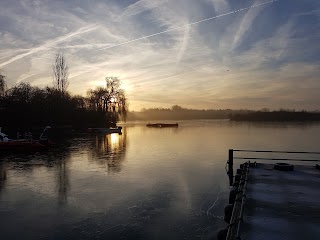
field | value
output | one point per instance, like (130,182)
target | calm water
(144,184)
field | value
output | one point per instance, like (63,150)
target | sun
(102,83)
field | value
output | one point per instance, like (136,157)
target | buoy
(228,213)
(222,234)
(233,195)
(283,166)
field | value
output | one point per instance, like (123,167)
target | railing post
(230,167)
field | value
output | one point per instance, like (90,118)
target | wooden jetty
(273,201)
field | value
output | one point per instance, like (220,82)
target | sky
(203,54)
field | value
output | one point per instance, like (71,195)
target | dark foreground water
(144,184)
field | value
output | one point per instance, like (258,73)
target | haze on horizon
(266,56)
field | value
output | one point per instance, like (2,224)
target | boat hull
(22,146)
(105,130)
(162,125)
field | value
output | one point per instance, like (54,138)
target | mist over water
(147,183)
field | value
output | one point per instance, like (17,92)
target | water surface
(147,183)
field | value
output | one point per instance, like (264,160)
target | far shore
(233,115)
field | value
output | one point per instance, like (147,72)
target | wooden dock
(273,201)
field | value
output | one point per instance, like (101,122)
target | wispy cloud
(220,6)
(245,24)
(49,44)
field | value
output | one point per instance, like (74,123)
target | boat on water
(162,125)
(25,144)
(105,130)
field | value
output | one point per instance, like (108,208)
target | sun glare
(114,141)
(96,84)
(124,85)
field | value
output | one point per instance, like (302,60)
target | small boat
(105,130)
(26,144)
(162,125)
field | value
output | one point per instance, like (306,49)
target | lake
(147,183)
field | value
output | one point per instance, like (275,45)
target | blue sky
(262,56)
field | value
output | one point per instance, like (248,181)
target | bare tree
(60,73)
(2,84)
(115,100)
(110,99)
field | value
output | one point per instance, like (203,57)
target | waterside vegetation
(24,106)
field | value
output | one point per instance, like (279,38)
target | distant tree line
(177,112)
(280,115)
(24,106)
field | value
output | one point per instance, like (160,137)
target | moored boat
(162,125)
(23,145)
(26,144)
(105,130)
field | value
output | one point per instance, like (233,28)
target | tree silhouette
(110,100)
(60,73)
(25,106)
(2,84)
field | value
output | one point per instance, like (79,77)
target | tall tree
(2,84)
(60,73)
(115,101)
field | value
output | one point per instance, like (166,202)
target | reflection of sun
(114,141)
(102,147)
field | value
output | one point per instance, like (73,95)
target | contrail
(189,24)
(49,44)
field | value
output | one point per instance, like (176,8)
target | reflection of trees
(3,175)
(26,163)
(62,181)
(110,149)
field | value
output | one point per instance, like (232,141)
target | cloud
(221,6)
(245,25)
(49,44)
(184,43)
(204,54)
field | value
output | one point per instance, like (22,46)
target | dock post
(230,167)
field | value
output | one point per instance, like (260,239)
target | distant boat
(105,130)
(26,144)
(162,125)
